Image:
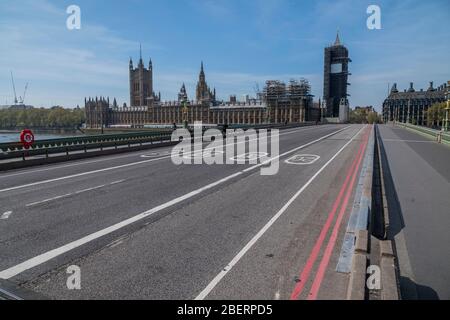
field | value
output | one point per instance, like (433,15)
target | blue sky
(241,43)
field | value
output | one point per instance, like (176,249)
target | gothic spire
(338,41)
(141,63)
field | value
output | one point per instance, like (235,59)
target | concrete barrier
(389,272)
(354,254)
(356,289)
(362,245)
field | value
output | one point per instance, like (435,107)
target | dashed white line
(116,182)
(5,215)
(67,165)
(72,193)
(42,258)
(48,200)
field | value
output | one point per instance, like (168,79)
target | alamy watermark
(73,21)
(374,20)
(237,147)
(74,280)
(374,279)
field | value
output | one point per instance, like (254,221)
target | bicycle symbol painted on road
(303,159)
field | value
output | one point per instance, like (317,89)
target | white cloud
(64,65)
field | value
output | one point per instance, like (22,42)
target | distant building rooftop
(411,93)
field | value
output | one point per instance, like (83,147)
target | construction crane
(14,88)
(20,100)
(257,91)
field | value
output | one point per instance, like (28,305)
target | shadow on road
(396,221)
(409,289)
(423,292)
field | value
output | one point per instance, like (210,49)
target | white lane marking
(42,258)
(72,193)
(119,157)
(10,294)
(5,215)
(79,174)
(261,232)
(68,165)
(249,156)
(110,168)
(90,189)
(48,200)
(199,154)
(116,182)
(155,154)
(302,159)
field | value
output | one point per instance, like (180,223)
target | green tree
(435,114)
(373,118)
(57,117)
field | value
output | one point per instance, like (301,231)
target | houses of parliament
(277,103)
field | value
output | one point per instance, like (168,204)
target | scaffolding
(296,89)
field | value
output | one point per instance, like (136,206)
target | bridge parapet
(44,147)
(439,135)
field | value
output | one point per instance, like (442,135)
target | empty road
(418,191)
(140,227)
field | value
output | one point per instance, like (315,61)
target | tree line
(436,114)
(363,115)
(54,118)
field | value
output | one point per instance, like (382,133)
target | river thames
(14,136)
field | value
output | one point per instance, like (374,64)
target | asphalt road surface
(419,194)
(140,227)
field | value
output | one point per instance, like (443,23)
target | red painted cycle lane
(347,190)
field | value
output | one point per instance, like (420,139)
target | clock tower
(335,79)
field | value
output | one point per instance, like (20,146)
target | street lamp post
(447,109)
(185,113)
(322,110)
(409,111)
(102,122)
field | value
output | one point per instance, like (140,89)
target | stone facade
(411,105)
(279,103)
(141,84)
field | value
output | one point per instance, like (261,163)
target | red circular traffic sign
(27,138)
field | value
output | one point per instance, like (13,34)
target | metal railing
(440,136)
(83,143)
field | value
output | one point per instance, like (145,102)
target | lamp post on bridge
(185,110)
(447,109)
(409,111)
